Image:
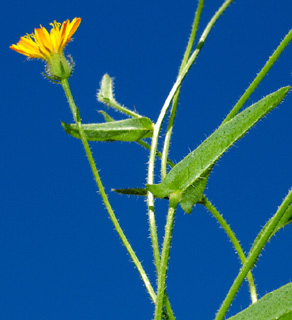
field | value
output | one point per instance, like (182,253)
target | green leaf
(273,306)
(106,96)
(195,164)
(107,118)
(124,130)
(194,193)
(105,93)
(132,191)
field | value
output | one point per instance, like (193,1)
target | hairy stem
(157,128)
(272,59)
(253,256)
(235,242)
(176,97)
(111,213)
(165,257)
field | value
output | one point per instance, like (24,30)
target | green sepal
(275,305)
(123,130)
(58,68)
(193,166)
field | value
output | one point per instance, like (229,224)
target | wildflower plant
(183,183)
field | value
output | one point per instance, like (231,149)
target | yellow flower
(49,47)
(42,44)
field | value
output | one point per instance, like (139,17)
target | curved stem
(208,205)
(176,97)
(111,213)
(253,256)
(272,59)
(165,257)
(157,127)
(114,104)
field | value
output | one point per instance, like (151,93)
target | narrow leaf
(186,172)
(132,191)
(124,130)
(107,118)
(273,306)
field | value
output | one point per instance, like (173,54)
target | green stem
(253,256)
(176,97)
(157,128)
(114,104)
(235,242)
(259,77)
(154,238)
(158,154)
(119,230)
(173,202)
(225,227)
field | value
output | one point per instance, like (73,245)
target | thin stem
(157,127)
(259,77)
(235,242)
(158,154)
(253,256)
(114,104)
(111,213)
(168,309)
(176,97)
(165,257)
(226,228)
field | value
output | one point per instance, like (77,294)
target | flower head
(42,44)
(49,46)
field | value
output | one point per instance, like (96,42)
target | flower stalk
(76,116)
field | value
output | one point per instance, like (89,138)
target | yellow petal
(70,30)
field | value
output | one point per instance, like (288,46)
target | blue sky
(60,256)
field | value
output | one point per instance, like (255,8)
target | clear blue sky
(60,257)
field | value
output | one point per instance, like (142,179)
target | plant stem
(157,127)
(253,256)
(235,242)
(111,213)
(158,154)
(259,77)
(176,97)
(115,105)
(165,256)
(226,228)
